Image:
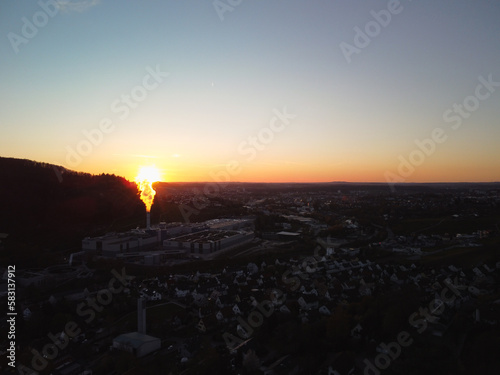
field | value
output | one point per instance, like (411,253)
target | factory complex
(156,244)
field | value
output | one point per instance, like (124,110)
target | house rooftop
(135,339)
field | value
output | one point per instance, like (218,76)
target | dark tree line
(43,206)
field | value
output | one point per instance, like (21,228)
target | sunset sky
(328,92)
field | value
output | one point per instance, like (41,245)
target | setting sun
(149,173)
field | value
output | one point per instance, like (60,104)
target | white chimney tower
(141,316)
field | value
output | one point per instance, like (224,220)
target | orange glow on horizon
(288,172)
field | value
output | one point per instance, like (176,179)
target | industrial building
(177,229)
(138,343)
(174,240)
(114,243)
(208,241)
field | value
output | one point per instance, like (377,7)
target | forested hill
(46,205)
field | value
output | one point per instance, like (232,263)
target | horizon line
(265,182)
(328,182)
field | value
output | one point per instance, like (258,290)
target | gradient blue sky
(354,121)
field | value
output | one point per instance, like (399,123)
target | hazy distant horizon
(272,182)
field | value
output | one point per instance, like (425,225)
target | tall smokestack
(148,220)
(141,316)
